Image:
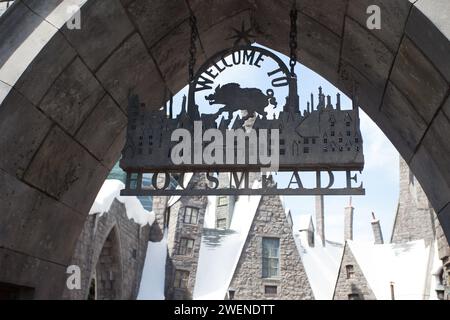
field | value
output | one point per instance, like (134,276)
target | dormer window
(350,271)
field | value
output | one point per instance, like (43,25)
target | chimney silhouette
(320,219)
(376,227)
(348,221)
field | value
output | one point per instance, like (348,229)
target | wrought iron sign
(247,129)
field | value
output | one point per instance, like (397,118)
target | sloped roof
(404,264)
(154,272)
(220,250)
(321,265)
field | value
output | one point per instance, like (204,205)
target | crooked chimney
(376,227)
(320,219)
(348,221)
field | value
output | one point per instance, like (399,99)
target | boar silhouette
(236,98)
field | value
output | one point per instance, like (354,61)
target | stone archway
(62,119)
(108,271)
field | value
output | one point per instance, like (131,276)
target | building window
(186,246)
(270,290)
(325,140)
(354,296)
(332,133)
(222,201)
(190,215)
(221,224)
(350,271)
(305,150)
(270,257)
(181,279)
(305,140)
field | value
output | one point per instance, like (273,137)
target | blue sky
(381,173)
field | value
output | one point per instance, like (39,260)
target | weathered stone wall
(177,229)
(292,283)
(356,284)
(117,262)
(444,255)
(414,219)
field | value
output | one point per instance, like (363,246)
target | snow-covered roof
(154,272)
(321,265)
(403,264)
(109,191)
(305,223)
(220,250)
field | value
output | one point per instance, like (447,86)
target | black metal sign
(238,135)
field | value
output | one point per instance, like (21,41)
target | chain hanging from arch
(193,48)
(293,38)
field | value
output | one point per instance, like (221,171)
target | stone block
(111,157)
(406,125)
(436,142)
(431,41)
(328,13)
(131,69)
(418,80)
(20,142)
(73,95)
(126,3)
(429,175)
(368,94)
(66,171)
(47,228)
(212,12)
(217,37)
(319,47)
(45,68)
(446,107)
(172,56)
(394,14)
(46,279)
(366,53)
(156,19)
(105,25)
(102,127)
(444,220)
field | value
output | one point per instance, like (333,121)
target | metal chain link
(193,48)
(293,38)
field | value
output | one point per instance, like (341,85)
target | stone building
(270,265)
(111,249)
(415,218)
(416,251)
(184,222)
(231,248)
